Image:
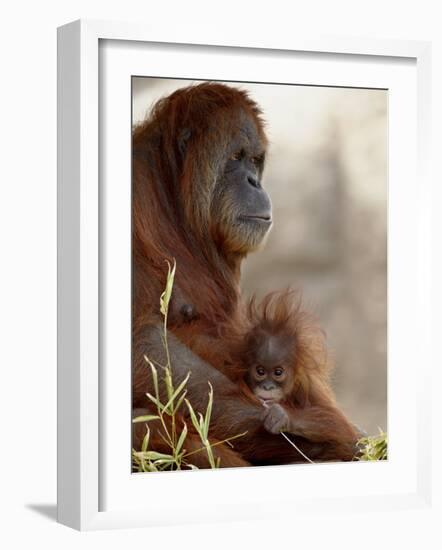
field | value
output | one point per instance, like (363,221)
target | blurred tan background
(327,177)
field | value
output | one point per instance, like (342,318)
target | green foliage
(168,415)
(373,447)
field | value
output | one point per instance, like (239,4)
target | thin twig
(297,448)
(215,444)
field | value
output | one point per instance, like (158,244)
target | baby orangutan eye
(278,371)
(260,371)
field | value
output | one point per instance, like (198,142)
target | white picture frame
(92,55)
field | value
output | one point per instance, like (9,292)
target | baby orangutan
(271,378)
(287,369)
(274,355)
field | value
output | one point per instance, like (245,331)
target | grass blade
(208,412)
(193,417)
(166,295)
(179,402)
(181,439)
(154,376)
(157,402)
(145,418)
(176,393)
(145,443)
(153,455)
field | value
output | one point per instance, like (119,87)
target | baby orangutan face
(270,374)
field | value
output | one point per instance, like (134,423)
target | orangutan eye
(237,156)
(258,160)
(260,371)
(278,371)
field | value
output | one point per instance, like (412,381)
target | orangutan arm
(231,410)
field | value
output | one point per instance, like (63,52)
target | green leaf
(201,424)
(179,402)
(153,455)
(165,296)
(156,401)
(176,392)
(154,377)
(145,443)
(193,417)
(208,412)
(169,383)
(373,447)
(181,439)
(164,461)
(209,452)
(146,418)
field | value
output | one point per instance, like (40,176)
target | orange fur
(172,193)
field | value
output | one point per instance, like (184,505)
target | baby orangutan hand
(275,418)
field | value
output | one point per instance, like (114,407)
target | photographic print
(259,274)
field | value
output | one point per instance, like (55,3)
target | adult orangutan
(197,198)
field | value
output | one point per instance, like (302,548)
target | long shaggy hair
(282,315)
(178,153)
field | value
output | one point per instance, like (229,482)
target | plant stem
(211,445)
